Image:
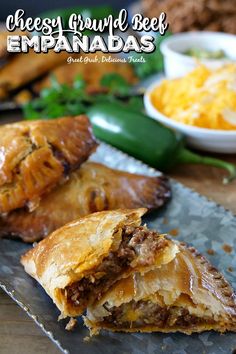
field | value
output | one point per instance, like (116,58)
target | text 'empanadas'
(36,156)
(94,187)
(79,262)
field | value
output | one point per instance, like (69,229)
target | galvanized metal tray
(195,220)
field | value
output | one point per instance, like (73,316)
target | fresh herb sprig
(60,100)
(116,84)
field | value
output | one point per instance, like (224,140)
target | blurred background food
(183,52)
(22,76)
(38,68)
(90,70)
(23,68)
(45,85)
(190,15)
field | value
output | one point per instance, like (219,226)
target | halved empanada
(36,156)
(78,263)
(186,295)
(94,187)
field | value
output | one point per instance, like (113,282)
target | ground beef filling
(136,242)
(149,314)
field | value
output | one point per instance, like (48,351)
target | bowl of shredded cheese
(201,104)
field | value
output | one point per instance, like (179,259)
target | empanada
(186,295)
(92,67)
(79,262)
(22,68)
(36,156)
(94,187)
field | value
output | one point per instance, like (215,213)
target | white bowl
(177,64)
(213,140)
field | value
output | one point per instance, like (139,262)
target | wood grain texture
(207,180)
(20,335)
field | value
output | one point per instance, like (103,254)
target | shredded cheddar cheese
(203,98)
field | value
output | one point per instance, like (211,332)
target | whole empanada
(94,187)
(36,156)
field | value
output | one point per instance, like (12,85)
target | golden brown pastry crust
(189,281)
(91,72)
(74,252)
(22,68)
(94,187)
(96,327)
(36,156)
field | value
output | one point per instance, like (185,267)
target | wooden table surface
(208,181)
(20,335)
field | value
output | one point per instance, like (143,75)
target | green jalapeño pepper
(146,139)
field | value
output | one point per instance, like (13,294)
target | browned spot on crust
(174,232)
(211,252)
(227,248)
